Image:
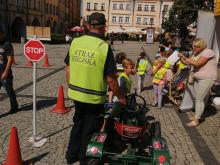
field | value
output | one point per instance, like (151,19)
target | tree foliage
(184,13)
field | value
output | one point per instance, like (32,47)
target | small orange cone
(14,153)
(29,63)
(46,61)
(60,106)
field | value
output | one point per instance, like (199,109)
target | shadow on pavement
(36,159)
(39,104)
(209,111)
(147,88)
(58,131)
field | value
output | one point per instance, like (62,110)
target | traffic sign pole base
(37,141)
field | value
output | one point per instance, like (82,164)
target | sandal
(192,118)
(193,123)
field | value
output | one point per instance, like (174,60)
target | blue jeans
(8,85)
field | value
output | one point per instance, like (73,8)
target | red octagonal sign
(34,50)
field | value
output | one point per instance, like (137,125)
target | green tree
(184,13)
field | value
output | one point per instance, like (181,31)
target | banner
(150,35)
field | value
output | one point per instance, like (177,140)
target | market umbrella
(76,29)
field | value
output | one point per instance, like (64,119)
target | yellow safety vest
(128,81)
(181,65)
(87,56)
(161,72)
(142,66)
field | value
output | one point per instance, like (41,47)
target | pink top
(209,70)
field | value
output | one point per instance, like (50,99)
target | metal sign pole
(34,100)
(37,141)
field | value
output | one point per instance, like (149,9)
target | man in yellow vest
(90,68)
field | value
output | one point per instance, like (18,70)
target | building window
(139,7)
(103,6)
(145,21)
(127,20)
(121,7)
(152,7)
(165,8)
(88,6)
(120,20)
(114,6)
(138,20)
(54,10)
(151,21)
(95,6)
(46,8)
(35,5)
(128,7)
(39,7)
(114,19)
(146,7)
(57,13)
(87,18)
(51,8)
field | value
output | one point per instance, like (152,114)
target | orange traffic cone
(46,61)
(29,63)
(14,153)
(60,106)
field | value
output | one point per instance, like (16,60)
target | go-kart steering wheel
(135,103)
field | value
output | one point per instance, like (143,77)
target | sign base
(37,141)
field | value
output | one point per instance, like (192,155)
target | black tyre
(157,130)
(95,161)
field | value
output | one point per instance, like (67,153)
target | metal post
(34,99)
(34,96)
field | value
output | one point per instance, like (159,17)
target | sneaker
(14,110)
(159,107)
(154,104)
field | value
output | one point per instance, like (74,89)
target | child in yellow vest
(125,83)
(159,78)
(118,59)
(141,69)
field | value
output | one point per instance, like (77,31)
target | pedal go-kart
(139,139)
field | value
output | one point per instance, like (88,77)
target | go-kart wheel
(135,103)
(157,130)
(95,161)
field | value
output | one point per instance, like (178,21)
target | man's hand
(122,100)
(4,75)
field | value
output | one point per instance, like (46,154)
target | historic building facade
(15,15)
(129,15)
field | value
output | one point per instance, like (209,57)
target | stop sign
(34,50)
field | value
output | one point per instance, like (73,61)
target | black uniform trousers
(88,118)
(8,85)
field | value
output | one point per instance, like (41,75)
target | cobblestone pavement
(194,146)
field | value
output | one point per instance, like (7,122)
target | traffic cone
(29,63)
(60,106)
(14,153)
(46,61)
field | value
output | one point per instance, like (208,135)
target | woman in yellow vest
(159,78)
(141,68)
